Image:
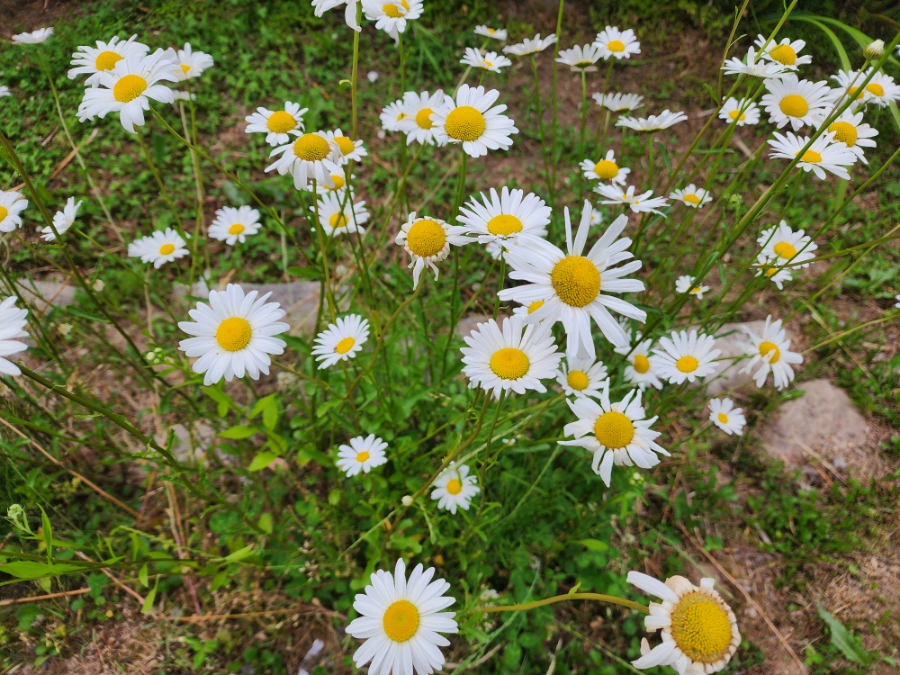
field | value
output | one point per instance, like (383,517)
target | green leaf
(261,405)
(147,607)
(835,40)
(223,400)
(35,570)
(261,461)
(270,416)
(143,576)
(48,534)
(843,639)
(305,272)
(240,554)
(220,579)
(265,523)
(239,432)
(594,544)
(328,405)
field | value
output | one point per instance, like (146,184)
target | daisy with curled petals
(505,217)
(4,91)
(234,334)
(616,433)
(724,415)
(339,214)
(93,61)
(342,340)
(570,282)
(642,203)
(495,33)
(530,46)
(234,225)
(34,38)
(772,267)
(309,158)
(620,44)
(785,52)
(823,155)
(454,488)
(491,61)
(343,148)
(580,57)
(417,109)
(391,17)
(619,102)
(188,63)
(277,125)
(512,358)
(472,121)
(795,101)
(605,170)
(771,352)
(581,377)
(362,455)
(392,115)
(699,631)
(850,130)
(692,196)
(754,65)
(740,112)
(788,245)
(62,220)
(652,123)
(400,622)
(350,11)
(161,247)
(685,357)
(640,369)
(685,284)
(428,240)
(11,206)
(12,327)
(882,90)
(126,89)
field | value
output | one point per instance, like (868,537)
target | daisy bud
(406,501)
(875,50)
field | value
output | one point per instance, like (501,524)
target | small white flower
(850,130)
(772,267)
(234,225)
(795,101)
(770,352)
(640,369)
(339,214)
(161,247)
(277,125)
(652,123)
(823,155)
(344,149)
(642,203)
(495,33)
(685,357)
(391,17)
(787,245)
(415,118)
(580,57)
(392,115)
(785,53)
(322,6)
(454,488)
(362,455)
(93,61)
(581,377)
(4,91)
(188,63)
(620,44)
(882,90)
(692,196)
(306,159)
(606,170)
(531,45)
(35,38)
(755,66)
(428,241)
(505,217)
(685,284)
(725,416)
(472,121)
(372,76)
(342,340)
(740,112)
(491,61)
(11,206)
(62,220)
(12,327)
(619,102)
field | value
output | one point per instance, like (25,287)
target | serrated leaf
(262,460)
(843,639)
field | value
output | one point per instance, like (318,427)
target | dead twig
(50,596)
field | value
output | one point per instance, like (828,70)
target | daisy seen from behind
(309,158)
(473,120)
(605,170)
(491,61)
(12,327)
(642,203)
(33,38)
(850,130)
(620,44)
(361,455)
(619,102)
(786,52)
(640,370)
(11,206)
(494,33)
(234,225)
(342,340)
(739,111)
(416,110)
(724,415)
(94,61)
(823,155)
(790,100)
(188,63)
(62,220)
(161,247)
(692,196)
(683,356)
(277,125)
(685,284)
(530,46)
(771,352)
(428,240)
(580,57)
(652,123)
(504,217)
(581,377)
(339,214)
(454,488)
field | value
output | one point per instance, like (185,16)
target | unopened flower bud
(875,50)
(406,501)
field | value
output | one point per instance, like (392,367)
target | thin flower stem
(354,74)
(611,599)
(159,181)
(555,104)
(329,291)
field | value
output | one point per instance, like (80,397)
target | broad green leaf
(594,544)
(265,523)
(261,461)
(240,554)
(328,405)
(270,416)
(844,639)
(261,405)
(239,432)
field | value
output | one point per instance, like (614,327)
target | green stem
(159,181)
(354,76)
(555,104)
(612,599)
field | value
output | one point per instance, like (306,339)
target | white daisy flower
(772,267)
(505,217)
(754,65)
(233,335)
(606,169)
(580,57)
(508,359)
(350,11)
(344,149)
(234,225)
(652,123)
(531,45)
(581,377)
(795,101)
(530,308)
(342,340)
(640,370)
(620,44)
(93,61)
(770,352)
(785,52)
(724,415)
(391,17)
(161,247)
(685,357)
(400,622)
(392,115)
(277,125)
(897,298)
(616,433)
(11,206)
(850,130)
(570,282)
(34,38)
(182,96)
(882,89)
(685,284)
(12,326)
(823,155)
(306,159)
(62,220)
(339,214)
(787,245)
(699,631)
(416,111)
(619,102)
(428,240)
(692,196)
(362,455)
(495,33)
(455,488)
(4,91)
(848,85)
(642,203)
(491,61)
(472,121)
(126,89)
(188,63)
(741,112)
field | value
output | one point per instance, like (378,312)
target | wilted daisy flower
(362,455)
(234,225)
(400,621)
(11,206)
(569,282)
(605,170)
(62,220)
(699,631)
(35,38)
(454,488)
(392,115)
(795,101)
(882,90)
(416,111)
(4,91)
(93,61)
(472,121)
(619,102)
(581,377)
(188,63)
(772,267)
(531,45)
(642,203)
(640,369)
(159,248)
(339,214)
(620,44)
(491,61)
(126,89)
(725,416)
(754,65)
(785,52)
(692,196)
(580,57)
(789,246)
(740,112)
(685,284)
(652,123)
(616,433)
(509,360)
(306,159)
(823,155)
(342,340)
(496,33)
(12,326)
(234,334)
(685,357)
(277,125)
(850,130)
(428,241)
(391,17)
(770,352)
(505,217)
(322,6)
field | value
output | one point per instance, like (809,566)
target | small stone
(47,293)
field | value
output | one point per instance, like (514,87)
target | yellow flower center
(691,199)
(487,63)
(233,334)
(875,89)
(465,123)
(616,46)
(687,364)
(426,238)
(577,379)
(606,169)
(641,363)
(576,280)
(794,105)
(337,220)
(401,621)
(535,306)
(695,290)
(509,363)
(766,347)
(107,60)
(237,228)
(454,487)
(185,67)
(504,225)
(338,182)
(281,122)
(614,430)
(345,345)
(701,628)
(401,116)
(390,9)
(423,118)
(128,88)
(492,30)
(345,145)
(737,115)
(723,418)
(784,54)
(811,156)
(311,147)
(167,249)
(3,213)
(362,456)
(844,132)
(784,249)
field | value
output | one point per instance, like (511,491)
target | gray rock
(44,294)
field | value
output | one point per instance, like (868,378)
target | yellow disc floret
(737,115)
(723,418)
(766,347)
(576,280)
(454,486)
(128,88)
(844,132)
(614,430)
(237,228)
(234,334)
(345,145)
(390,9)
(812,157)
(338,181)
(875,89)
(337,220)
(345,345)
(794,105)
(691,199)
(504,225)
(701,628)
(535,306)
(426,238)
(641,364)
(3,213)
(509,363)
(107,60)
(362,456)
(401,621)
(687,364)
(423,118)
(167,249)
(785,249)
(616,46)
(784,54)
(578,380)
(465,123)
(606,169)
(281,122)
(311,147)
